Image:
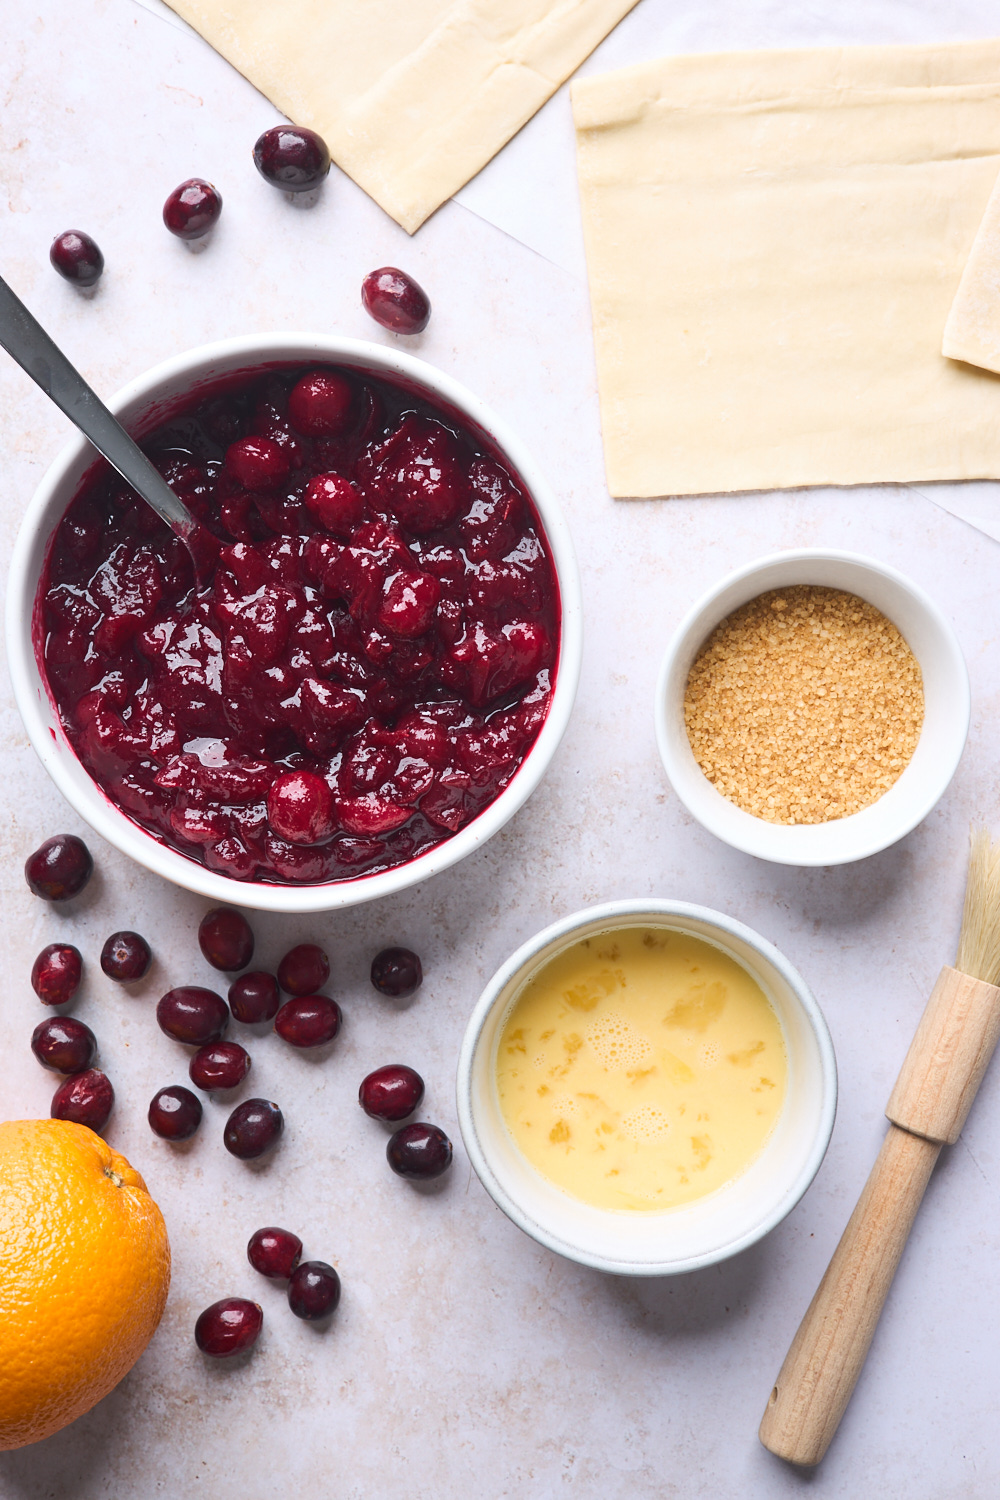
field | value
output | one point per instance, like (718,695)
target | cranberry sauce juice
(371,662)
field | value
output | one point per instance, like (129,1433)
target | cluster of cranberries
(233,1324)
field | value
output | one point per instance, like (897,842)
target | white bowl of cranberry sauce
(382,666)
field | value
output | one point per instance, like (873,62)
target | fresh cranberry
(254,997)
(253,1128)
(303,970)
(230,1326)
(313,1290)
(257,463)
(76,257)
(193,1015)
(56,973)
(300,808)
(64,1044)
(334,503)
(225,937)
(175,1113)
(396,972)
(320,404)
(308,1020)
(60,868)
(219,1065)
(395,300)
(192,209)
(292,158)
(86,1098)
(419,1151)
(125,957)
(391,1093)
(274,1252)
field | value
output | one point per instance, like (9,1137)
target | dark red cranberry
(253,1128)
(395,300)
(257,463)
(76,257)
(334,503)
(64,1044)
(125,957)
(291,158)
(391,1093)
(308,1020)
(419,1151)
(320,404)
(226,939)
(313,1290)
(274,1252)
(192,209)
(220,1065)
(86,1098)
(175,1113)
(254,997)
(56,973)
(303,970)
(230,1326)
(59,868)
(300,807)
(193,1015)
(396,972)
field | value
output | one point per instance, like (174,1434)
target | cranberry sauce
(371,663)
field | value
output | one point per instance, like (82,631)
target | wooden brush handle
(935,1089)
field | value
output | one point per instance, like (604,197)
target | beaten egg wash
(641,1069)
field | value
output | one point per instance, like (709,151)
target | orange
(84,1271)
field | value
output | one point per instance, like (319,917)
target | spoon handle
(26,341)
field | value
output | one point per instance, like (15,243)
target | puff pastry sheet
(774,240)
(411,96)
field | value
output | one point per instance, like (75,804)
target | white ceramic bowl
(141,406)
(699,1233)
(942,739)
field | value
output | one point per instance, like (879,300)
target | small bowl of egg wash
(647,1087)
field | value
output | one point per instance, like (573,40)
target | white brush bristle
(979,943)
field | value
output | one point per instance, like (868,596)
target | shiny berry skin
(395,300)
(257,463)
(274,1252)
(396,972)
(64,1044)
(230,1326)
(419,1151)
(86,1098)
(391,1093)
(308,1020)
(313,1290)
(226,939)
(125,957)
(300,807)
(76,257)
(254,997)
(303,970)
(56,973)
(291,158)
(193,1015)
(320,404)
(174,1113)
(220,1065)
(253,1128)
(192,209)
(60,868)
(334,503)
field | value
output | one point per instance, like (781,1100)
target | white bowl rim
(612,912)
(110,821)
(754,836)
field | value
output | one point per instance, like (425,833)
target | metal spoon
(26,341)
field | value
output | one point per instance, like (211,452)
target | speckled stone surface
(465,1361)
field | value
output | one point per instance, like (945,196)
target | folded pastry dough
(972,331)
(773,241)
(411,96)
